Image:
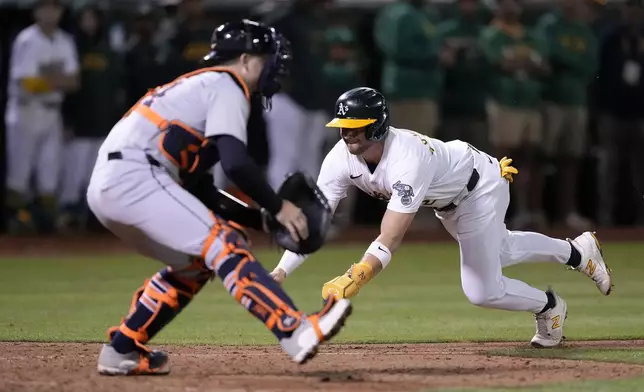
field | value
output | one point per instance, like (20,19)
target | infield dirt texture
(36,366)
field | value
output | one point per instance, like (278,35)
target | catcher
(152,187)
(469,192)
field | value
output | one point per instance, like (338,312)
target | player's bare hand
(278,275)
(294,220)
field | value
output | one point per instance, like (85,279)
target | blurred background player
(405,32)
(465,86)
(146,58)
(518,60)
(91,112)
(573,59)
(43,67)
(191,37)
(620,94)
(295,125)
(343,70)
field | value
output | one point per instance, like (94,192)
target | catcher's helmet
(362,107)
(232,39)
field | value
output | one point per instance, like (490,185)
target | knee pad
(225,240)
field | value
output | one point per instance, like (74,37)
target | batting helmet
(232,39)
(362,107)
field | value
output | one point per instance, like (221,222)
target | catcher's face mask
(276,67)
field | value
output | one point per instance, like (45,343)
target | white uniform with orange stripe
(135,190)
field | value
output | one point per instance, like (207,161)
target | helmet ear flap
(378,130)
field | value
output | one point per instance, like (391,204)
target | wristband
(380,252)
(290,261)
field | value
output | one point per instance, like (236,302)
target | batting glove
(507,170)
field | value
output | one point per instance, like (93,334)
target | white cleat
(550,324)
(113,363)
(319,327)
(592,261)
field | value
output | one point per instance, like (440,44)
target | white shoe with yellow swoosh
(592,261)
(550,324)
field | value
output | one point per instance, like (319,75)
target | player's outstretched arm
(392,230)
(290,261)
(333,182)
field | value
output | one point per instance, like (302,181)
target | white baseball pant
(80,157)
(486,246)
(142,205)
(296,138)
(34,151)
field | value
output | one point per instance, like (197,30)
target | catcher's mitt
(302,191)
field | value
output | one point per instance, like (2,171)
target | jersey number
(160,91)
(423,139)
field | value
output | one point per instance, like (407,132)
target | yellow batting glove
(507,170)
(36,85)
(340,287)
(349,284)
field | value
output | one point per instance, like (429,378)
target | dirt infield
(70,367)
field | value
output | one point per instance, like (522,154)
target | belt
(118,155)
(471,184)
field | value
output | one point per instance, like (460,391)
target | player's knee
(480,295)
(224,242)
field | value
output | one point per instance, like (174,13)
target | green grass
(619,355)
(417,299)
(627,385)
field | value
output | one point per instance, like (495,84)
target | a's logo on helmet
(342,109)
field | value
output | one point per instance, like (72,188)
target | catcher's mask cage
(232,39)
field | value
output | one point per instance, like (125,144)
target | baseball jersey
(415,171)
(208,102)
(33,53)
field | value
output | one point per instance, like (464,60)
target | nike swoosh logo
(379,247)
(354,177)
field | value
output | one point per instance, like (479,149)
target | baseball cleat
(315,329)
(112,363)
(592,261)
(550,324)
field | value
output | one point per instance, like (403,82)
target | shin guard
(251,285)
(153,306)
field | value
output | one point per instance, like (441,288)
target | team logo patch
(343,109)
(405,192)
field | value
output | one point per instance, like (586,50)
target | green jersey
(408,38)
(466,80)
(573,57)
(94,108)
(514,89)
